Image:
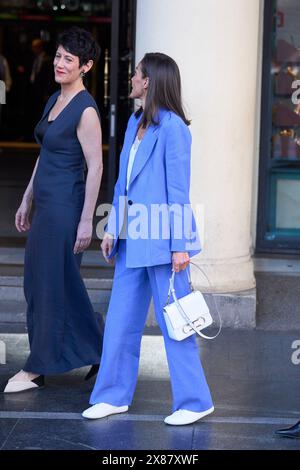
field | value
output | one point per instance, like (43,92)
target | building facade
(240,62)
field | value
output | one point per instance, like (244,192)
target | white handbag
(189,314)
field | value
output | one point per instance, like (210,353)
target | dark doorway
(112,23)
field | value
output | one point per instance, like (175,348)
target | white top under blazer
(132,154)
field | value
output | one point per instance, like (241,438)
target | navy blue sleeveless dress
(64,331)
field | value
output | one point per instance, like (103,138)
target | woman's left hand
(180,260)
(84,236)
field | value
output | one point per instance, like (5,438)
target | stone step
(275,300)
(93,265)
(13,305)
(14,312)
(97,275)
(15,256)
(11,288)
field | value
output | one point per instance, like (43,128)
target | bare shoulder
(89,121)
(89,115)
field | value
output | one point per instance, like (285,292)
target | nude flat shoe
(15,386)
(101,410)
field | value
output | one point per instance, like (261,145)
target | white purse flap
(196,307)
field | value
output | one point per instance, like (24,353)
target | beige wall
(215,44)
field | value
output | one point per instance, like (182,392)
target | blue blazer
(160,179)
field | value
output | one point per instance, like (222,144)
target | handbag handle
(181,310)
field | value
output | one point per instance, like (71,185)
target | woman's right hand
(22,216)
(107,246)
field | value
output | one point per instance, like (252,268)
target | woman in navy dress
(63,330)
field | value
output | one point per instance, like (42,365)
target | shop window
(279,193)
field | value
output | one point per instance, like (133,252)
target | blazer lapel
(144,151)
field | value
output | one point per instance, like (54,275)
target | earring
(82,74)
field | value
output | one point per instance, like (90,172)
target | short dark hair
(164,90)
(80,43)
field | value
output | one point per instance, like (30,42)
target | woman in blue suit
(153,187)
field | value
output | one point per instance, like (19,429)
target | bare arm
(28,195)
(22,216)
(90,137)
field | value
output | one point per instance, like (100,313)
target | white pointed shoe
(181,417)
(101,410)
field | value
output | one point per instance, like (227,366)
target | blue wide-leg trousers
(127,313)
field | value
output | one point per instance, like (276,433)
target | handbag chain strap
(181,310)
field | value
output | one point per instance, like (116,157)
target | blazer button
(130,202)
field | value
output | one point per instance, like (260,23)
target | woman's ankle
(22,375)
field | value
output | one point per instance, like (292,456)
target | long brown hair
(164,90)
